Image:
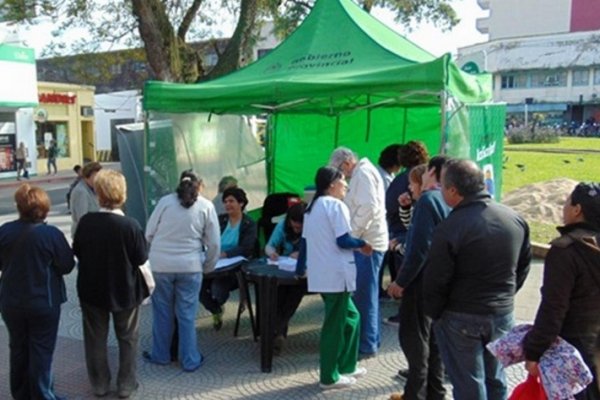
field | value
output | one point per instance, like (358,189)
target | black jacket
(33,260)
(247,244)
(479,258)
(110,249)
(570,305)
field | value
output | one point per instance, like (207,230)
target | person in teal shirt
(285,241)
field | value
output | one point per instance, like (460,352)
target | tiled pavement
(232,365)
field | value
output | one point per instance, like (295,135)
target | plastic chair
(275,204)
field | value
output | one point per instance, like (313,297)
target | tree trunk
(160,42)
(238,49)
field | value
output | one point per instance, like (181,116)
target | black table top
(259,268)
(225,270)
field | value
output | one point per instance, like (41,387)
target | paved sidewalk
(232,366)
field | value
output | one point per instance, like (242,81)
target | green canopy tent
(341,78)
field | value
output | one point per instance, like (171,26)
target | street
(56,190)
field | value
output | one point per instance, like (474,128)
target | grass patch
(524,166)
(541,232)
(566,143)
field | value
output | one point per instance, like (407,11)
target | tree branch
(190,14)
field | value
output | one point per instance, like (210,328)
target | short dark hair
(33,203)
(587,195)
(412,154)
(296,214)
(77,168)
(464,175)
(238,194)
(90,168)
(390,156)
(437,163)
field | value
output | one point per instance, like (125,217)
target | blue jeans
(32,339)
(176,295)
(474,372)
(366,299)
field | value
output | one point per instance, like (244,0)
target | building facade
(65,115)
(544,58)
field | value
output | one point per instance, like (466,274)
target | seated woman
(285,241)
(238,238)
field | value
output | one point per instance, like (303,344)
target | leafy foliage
(166,27)
(529,135)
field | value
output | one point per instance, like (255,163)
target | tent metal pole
(404,125)
(444,121)
(368,120)
(337,132)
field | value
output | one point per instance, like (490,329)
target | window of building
(597,76)
(47,131)
(549,78)
(581,77)
(115,69)
(513,81)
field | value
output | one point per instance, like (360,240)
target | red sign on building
(57,98)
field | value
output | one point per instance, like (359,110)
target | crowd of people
(456,260)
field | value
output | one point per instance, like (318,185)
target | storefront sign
(41,115)
(18,81)
(57,98)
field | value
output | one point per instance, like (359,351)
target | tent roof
(339,59)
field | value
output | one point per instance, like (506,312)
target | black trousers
(288,300)
(32,339)
(425,369)
(215,292)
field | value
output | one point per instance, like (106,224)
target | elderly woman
(570,306)
(183,232)
(238,238)
(110,248)
(33,259)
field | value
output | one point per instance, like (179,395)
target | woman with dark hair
(285,241)
(110,247)
(327,253)
(570,306)
(33,259)
(238,238)
(183,233)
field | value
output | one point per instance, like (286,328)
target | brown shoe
(397,396)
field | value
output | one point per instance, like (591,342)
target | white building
(18,96)
(544,56)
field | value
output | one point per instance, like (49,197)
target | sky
(425,35)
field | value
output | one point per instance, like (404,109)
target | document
(226,262)
(284,263)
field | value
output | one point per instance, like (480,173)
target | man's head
(89,172)
(461,178)
(583,205)
(412,154)
(432,177)
(344,159)
(389,158)
(227,182)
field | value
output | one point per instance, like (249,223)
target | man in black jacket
(479,258)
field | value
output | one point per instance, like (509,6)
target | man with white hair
(366,201)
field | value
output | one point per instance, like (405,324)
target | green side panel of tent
(295,157)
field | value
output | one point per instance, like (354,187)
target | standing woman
(183,233)
(110,248)
(33,259)
(331,271)
(570,306)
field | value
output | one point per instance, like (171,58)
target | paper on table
(226,262)
(284,263)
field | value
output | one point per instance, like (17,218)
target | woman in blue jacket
(33,259)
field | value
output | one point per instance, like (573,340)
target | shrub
(538,135)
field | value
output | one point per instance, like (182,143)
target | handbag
(531,389)
(147,275)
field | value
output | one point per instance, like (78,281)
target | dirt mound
(541,202)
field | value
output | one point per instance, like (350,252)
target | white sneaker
(343,382)
(358,372)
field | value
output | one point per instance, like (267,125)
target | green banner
(486,129)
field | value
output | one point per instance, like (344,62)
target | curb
(34,180)
(539,250)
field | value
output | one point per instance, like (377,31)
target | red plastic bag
(531,389)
